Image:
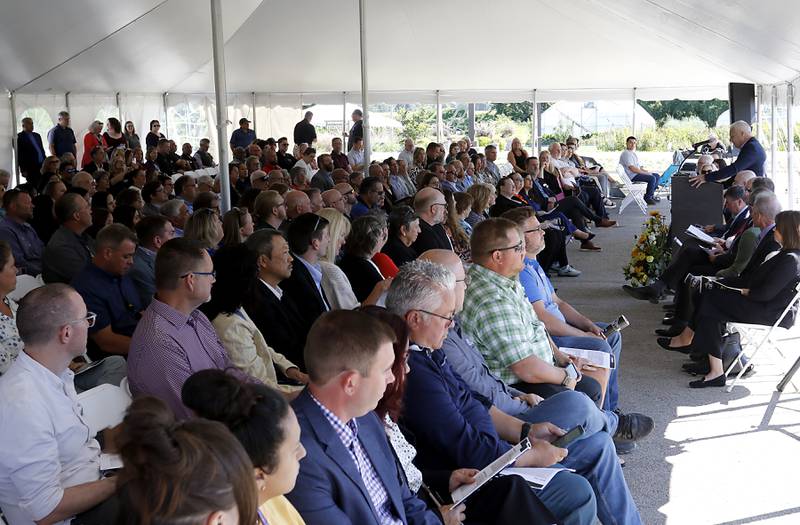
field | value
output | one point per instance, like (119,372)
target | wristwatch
(526,429)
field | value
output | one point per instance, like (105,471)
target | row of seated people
(754,257)
(354,365)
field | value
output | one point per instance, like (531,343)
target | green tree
(516,111)
(417,123)
(706,110)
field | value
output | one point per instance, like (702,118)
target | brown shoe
(589,246)
(606,223)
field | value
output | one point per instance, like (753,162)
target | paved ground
(714,457)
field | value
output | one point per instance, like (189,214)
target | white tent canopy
(126,57)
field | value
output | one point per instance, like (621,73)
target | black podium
(690,205)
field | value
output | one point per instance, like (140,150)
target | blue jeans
(569,498)
(611,345)
(650,179)
(595,458)
(569,409)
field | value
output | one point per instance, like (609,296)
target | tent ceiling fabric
(307,46)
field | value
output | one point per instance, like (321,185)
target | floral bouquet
(650,254)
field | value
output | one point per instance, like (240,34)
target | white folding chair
(104,406)
(759,336)
(25,283)
(634,191)
(212,171)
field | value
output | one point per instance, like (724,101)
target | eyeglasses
(466,280)
(439,204)
(446,318)
(156,125)
(537,229)
(90,319)
(345,194)
(379,193)
(212,273)
(519,248)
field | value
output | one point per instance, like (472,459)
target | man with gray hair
(61,138)
(453,427)
(50,466)
(69,248)
(177,213)
(751,156)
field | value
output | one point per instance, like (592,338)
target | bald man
(430,206)
(297,203)
(333,199)
(348,195)
(751,156)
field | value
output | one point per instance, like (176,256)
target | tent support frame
(773,131)
(220,91)
(13,103)
(362,30)
(790,143)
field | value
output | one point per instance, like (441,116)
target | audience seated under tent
(152,233)
(431,208)
(237,226)
(70,248)
(19,234)
(366,238)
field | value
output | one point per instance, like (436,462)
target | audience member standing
(70,248)
(19,234)
(50,466)
(242,137)
(154,135)
(304,131)
(357,130)
(174,339)
(61,138)
(30,151)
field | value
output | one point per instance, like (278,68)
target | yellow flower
(655,214)
(649,258)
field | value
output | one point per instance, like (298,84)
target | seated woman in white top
(334,281)
(10,342)
(236,269)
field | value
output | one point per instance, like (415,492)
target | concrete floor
(714,457)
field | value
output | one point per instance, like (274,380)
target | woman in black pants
(763,296)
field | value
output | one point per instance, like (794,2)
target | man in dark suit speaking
(751,156)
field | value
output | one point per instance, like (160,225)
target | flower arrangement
(651,253)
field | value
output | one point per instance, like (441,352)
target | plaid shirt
(348,433)
(502,323)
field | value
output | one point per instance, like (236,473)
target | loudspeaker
(742,99)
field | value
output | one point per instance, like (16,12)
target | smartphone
(572,371)
(569,437)
(616,326)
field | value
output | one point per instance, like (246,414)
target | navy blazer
(278,321)
(751,157)
(329,488)
(28,156)
(303,292)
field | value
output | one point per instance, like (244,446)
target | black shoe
(702,383)
(643,293)
(698,357)
(651,201)
(663,342)
(670,320)
(633,427)
(624,447)
(674,330)
(669,307)
(696,369)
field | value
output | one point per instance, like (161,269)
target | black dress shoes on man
(674,330)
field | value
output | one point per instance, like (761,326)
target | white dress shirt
(46,444)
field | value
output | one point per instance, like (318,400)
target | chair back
(25,283)
(104,406)
(626,181)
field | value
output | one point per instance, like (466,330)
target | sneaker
(608,203)
(633,427)
(651,201)
(568,271)
(589,246)
(554,269)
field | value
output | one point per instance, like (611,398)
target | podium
(691,205)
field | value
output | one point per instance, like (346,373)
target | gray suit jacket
(143,273)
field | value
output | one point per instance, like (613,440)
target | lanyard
(262,519)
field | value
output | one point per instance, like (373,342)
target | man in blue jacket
(751,156)
(349,474)
(453,427)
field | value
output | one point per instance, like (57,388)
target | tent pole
(633,116)
(14,164)
(790,140)
(362,27)
(119,109)
(471,121)
(220,90)
(66,101)
(164,108)
(759,131)
(255,121)
(438,119)
(534,138)
(344,117)
(773,132)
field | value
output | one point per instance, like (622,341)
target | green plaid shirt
(500,320)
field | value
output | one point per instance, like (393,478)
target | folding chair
(634,191)
(104,406)
(25,283)
(772,336)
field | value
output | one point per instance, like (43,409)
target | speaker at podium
(702,205)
